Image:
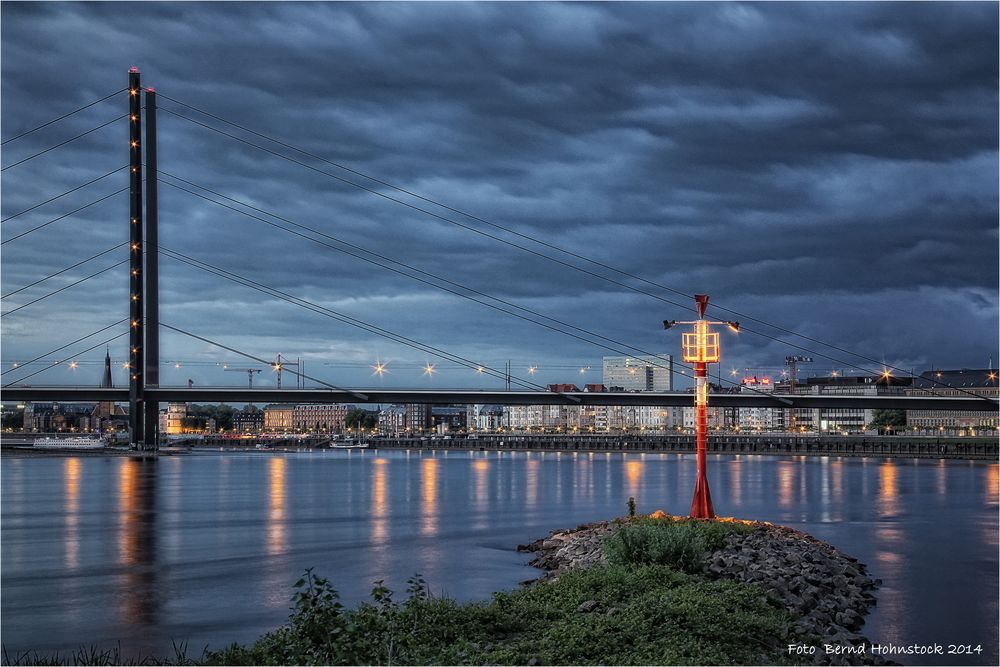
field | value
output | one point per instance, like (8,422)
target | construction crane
(792,363)
(280,363)
(248,371)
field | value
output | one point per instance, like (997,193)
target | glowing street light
(701,347)
(429,370)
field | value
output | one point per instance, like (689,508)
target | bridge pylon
(136,358)
(143,358)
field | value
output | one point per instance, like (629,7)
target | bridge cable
(66,115)
(536,240)
(61,361)
(65,287)
(268,222)
(459,294)
(361,324)
(263,361)
(59,349)
(11,217)
(46,224)
(53,275)
(394,261)
(347,319)
(63,143)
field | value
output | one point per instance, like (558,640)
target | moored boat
(69,443)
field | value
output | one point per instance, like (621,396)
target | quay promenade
(979,448)
(985,448)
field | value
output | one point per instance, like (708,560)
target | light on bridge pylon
(701,347)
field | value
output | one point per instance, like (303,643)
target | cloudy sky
(828,168)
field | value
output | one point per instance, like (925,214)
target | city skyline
(850,200)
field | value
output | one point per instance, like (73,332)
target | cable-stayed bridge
(143,324)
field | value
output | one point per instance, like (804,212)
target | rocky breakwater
(827,591)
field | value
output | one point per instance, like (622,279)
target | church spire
(107,383)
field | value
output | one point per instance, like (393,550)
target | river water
(204,548)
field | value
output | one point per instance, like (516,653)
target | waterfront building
(328,418)
(172,419)
(959,383)
(448,418)
(278,417)
(760,419)
(643,373)
(486,417)
(58,417)
(248,420)
(392,420)
(848,420)
(418,417)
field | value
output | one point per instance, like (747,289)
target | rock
(827,590)
(534,661)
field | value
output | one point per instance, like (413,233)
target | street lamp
(701,347)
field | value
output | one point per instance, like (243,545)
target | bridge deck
(470,396)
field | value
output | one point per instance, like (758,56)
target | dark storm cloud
(828,166)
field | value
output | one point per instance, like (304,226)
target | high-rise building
(645,373)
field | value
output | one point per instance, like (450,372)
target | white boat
(69,443)
(348,444)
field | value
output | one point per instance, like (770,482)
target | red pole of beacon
(701,504)
(701,347)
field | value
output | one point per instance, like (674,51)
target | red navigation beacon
(701,347)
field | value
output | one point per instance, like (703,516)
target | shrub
(680,544)
(645,615)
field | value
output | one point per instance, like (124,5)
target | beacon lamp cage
(700,347)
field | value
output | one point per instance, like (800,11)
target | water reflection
(942,479)
(276,538)
(138,603)
(429,496)
(531,482)
(481,468)
(786,483)
(735,471)
(888,501)
(992,482)
(71,513)
(583,481)
(380,500)
(633,474)
(837,482)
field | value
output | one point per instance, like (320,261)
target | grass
(681,544)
